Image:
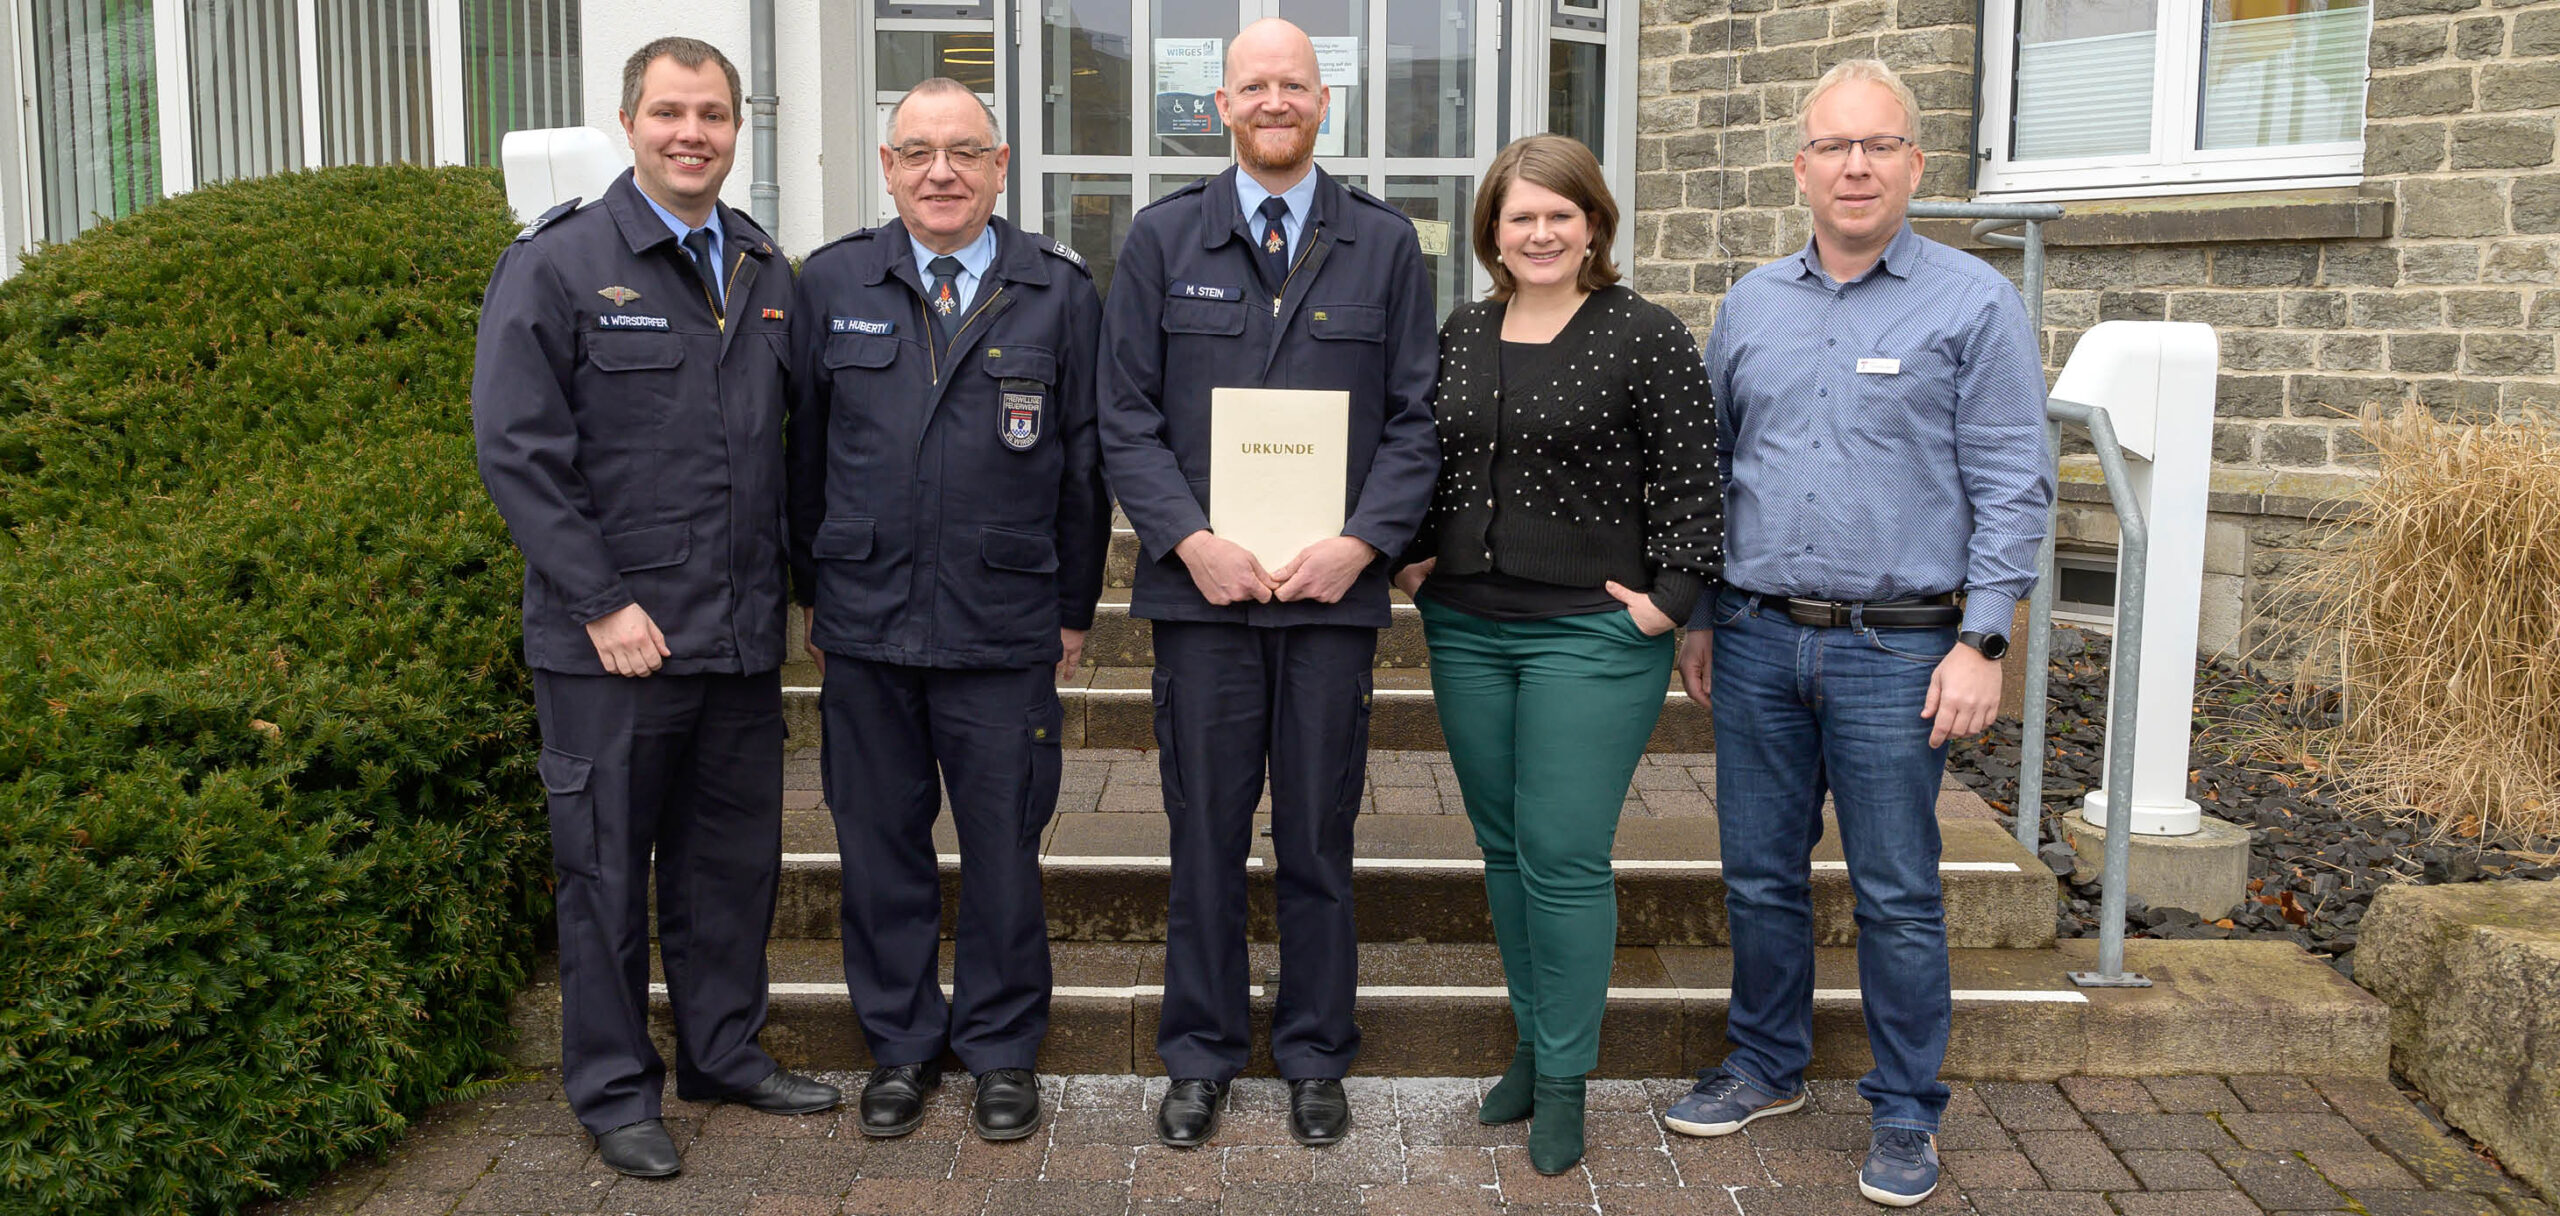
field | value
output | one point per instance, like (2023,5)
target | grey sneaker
(1723,1104)
(1901,1168)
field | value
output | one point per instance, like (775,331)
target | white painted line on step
(1992,996)
(1391,864)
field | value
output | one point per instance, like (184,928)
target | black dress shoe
(1318,1112)
(1008,1104)
(787,1093)
(893,1103)
(1189,1114)
(641,1150)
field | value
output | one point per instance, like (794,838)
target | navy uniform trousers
(992,736)
(1228,696)
(689,766)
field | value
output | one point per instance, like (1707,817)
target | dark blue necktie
(698,243)
(946,292)
(1271,244)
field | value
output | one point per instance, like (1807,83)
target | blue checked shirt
(1881,438)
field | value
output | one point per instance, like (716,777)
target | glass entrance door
(1119,111)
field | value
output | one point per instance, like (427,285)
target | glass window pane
(1186,65)
(1090,212)
(520,71)
(375,85)
(1339,29)
(1438,208)
(2084,78)
(2282,72)
(97,120)
(1430,85)
(244,71)
(1086,60)
(909,57)
(1577,92)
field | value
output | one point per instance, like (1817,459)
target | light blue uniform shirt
(974,261)
(1300,197)
(719,241)
(1884,437)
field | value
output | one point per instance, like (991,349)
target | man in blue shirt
(1880,418)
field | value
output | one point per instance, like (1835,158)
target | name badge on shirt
(1879,367)
(859,325)
(624,320)
(1206,291)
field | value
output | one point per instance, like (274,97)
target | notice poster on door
(1338,67)
(1187,74)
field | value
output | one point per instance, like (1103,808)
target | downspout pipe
(764,194)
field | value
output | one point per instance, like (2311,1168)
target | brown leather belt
(1917,612)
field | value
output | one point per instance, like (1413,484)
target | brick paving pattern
(2178,1146)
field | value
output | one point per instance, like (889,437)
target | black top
(1596,463)
(1491,594)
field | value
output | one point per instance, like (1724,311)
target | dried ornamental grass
(2440,605)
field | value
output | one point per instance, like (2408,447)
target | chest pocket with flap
(1193,316)
(1009,362)
(1347,322)
(859,350)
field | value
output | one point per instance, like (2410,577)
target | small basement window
(2084,586)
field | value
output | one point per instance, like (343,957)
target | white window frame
(18,189)
(2173,165)
(1533,32)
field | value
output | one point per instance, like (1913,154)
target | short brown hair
(1559,163)
(688,53)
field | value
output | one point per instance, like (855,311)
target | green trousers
(1546,722)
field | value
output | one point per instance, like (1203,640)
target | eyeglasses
(964,157)
(1878,147)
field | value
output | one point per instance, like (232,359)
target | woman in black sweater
(1578,516)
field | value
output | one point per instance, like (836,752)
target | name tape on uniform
(859,325)
(624,320)
(1879,367)
(1204,291)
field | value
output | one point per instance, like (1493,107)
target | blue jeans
(1800,711)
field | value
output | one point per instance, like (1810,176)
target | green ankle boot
(1555,1132)
(1509,1099)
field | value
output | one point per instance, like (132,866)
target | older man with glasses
(948,524)
(1880,420)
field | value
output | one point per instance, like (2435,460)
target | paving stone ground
(2180,1146)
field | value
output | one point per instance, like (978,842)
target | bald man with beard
(1269,275)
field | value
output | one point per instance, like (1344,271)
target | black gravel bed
(2313,866)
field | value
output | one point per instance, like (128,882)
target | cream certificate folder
(1278,464)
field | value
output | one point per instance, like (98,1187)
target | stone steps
(1419,878)
(1113,707)
(1439,1010)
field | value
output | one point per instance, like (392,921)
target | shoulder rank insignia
(1059,248)
(526,233)
(619,294)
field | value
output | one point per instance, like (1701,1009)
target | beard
(1301,147)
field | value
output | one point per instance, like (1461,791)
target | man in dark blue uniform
(1270,275)
(949,516)
(628,402)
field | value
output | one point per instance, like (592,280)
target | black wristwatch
(1992,645)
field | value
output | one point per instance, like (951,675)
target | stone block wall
(2436,280)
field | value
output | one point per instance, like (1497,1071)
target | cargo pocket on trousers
(1041,736)
(565,779)
(1355,779)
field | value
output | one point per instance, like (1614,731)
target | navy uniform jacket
(632,441)
(1189,314)
(946,494)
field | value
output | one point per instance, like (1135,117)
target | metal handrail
(1991,224)
(2124,670)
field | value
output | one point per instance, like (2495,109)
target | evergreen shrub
(270,846)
